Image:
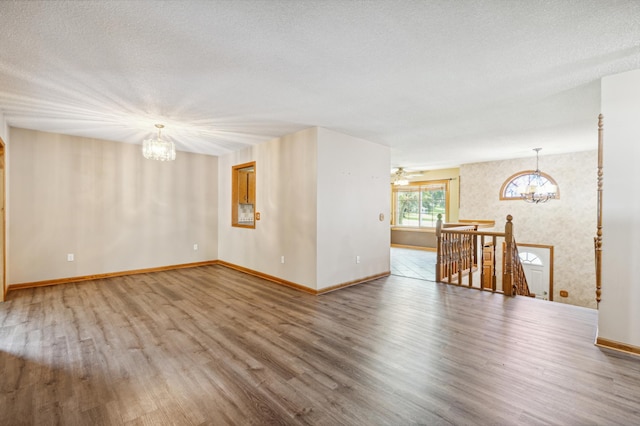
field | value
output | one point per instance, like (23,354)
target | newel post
(439,248)
(507,275)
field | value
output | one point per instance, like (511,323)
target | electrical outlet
(357,259)
(281,259)
(70,257)
(195,247)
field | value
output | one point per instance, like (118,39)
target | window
(529,258)
(513,187)
(419,203)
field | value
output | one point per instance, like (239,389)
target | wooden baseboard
(621,347)
(108,275)
(299,286)
(267,277)
(193,265)
(350,283)
(414,247)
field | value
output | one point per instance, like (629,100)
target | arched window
(518,183)
(530,258)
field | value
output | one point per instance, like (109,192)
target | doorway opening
(537,262)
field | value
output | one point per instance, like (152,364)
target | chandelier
(538,189)
(159,149)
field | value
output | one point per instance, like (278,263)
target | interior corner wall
(108,206)
(568,224)
(286,198)
(353,191)
(619,313)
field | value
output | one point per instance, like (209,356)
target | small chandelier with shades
(158,148)
(539,189)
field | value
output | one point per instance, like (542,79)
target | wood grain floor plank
(210,345)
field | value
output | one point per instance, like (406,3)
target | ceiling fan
(401,176)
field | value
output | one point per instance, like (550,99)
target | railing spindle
(482,268)
(494,276)
(598,238)
(439,248)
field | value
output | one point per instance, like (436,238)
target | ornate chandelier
(539,189)
(159,149)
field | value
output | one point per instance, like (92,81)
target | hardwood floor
(210,345)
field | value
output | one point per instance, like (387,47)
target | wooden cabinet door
(251,188)
(243,187)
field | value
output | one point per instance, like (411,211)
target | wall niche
(243,195)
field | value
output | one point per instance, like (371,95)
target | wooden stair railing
(457,258)
(456,251)
(520,286)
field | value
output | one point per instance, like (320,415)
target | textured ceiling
(440,82)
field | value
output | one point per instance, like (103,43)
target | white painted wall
(106,204)
(353,190)
(568,224)
(319,205)
(619,312)
(286,198)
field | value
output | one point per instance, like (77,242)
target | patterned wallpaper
(568,224)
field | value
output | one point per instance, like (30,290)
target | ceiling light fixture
(159,149)
(400,178)
(539,189)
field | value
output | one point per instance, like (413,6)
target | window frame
(416,186)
